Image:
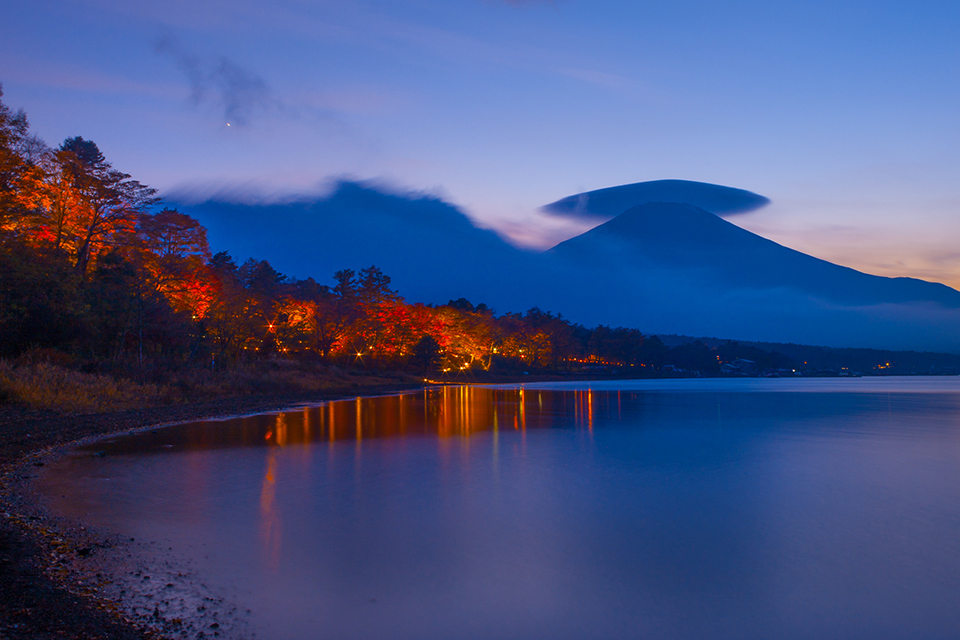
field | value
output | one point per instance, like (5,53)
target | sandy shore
(53,579)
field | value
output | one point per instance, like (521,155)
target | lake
(783,508)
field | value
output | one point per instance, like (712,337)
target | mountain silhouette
(690,240)
(431,250)
(660,267)
(610,202)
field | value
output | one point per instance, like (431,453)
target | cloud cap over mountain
(605,204)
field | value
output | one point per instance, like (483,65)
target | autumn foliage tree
(106,203)
(92,265)
(14,168)
(173,250)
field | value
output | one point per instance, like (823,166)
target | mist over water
(655,509)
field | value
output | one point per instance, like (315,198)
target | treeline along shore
(109,299)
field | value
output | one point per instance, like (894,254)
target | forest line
(95,271)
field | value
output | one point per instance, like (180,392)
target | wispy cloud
(241,93)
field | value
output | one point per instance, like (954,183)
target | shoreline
(44,590)
(47,587)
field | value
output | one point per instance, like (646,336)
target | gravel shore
(35,600)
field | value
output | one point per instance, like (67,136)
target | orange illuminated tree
(106,203)
(173,250)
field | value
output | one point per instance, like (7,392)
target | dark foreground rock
(34,606)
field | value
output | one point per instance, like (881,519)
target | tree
(311,311)
(173,250)
(620,345)
(373,287)
(127,314)
(336,320)
(108,201)
(426,354)
(468,334)
(264,287)
(378,309)
(19,171)
(226,318)
(41,303)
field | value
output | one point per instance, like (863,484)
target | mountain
(608,203)
(660,267)
(429,248)
(675,268)
(688,239)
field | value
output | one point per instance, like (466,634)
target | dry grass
(43,385)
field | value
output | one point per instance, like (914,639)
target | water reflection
(568,513)
(445,412)
(463,411)
(269,514)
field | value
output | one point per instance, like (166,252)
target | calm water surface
(659,509)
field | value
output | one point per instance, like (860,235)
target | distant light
(228,124)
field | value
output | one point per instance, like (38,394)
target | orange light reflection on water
(269,515)
(446,412)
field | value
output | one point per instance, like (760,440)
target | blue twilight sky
(843,113)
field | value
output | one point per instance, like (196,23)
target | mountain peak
(682,236)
